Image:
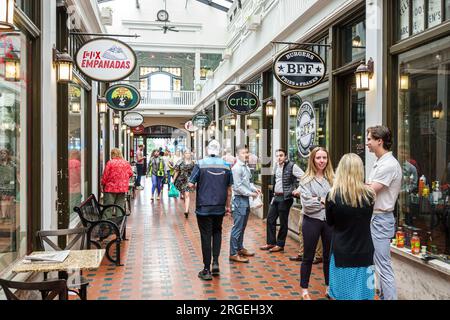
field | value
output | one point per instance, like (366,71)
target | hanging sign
(122,97)
(133,119)
(138,130)
(306,128)
(201,120)
(242,102)
(189,126)
(299,69)
(105,59)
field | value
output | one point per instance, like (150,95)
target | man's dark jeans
(278,208)
(139,169)
(210,227)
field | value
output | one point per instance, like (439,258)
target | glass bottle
(415,244)
(400,237)
(429,241)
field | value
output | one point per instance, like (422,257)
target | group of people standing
(352,218)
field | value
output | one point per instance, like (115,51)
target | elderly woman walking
(116,178)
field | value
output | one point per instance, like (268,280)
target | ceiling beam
(214,5)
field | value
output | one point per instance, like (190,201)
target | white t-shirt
(388,172)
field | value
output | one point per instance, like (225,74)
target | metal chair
(52,288)
(79,235)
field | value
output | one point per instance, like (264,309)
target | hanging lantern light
(124,127)
(293,111)
(404,79)
(363,75)
(64,65)
(270,108)
(6,15)
(232,121)
(249,122)
(116,119)
(75,107)
(128,130)
(226,128)
(131,134)
(102,105)
(12,65)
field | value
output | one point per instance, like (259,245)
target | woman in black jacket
(349,208)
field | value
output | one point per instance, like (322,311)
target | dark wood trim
(25,24)
(348,68)
(284,114)
(265,180)
(422,38)
(34,137)
(88,141)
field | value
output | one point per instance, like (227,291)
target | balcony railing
(165,98)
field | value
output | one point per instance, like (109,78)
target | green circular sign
(122,97)
(201,120)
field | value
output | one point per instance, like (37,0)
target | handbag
(255,203)
(173,191)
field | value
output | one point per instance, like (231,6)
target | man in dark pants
(139,167)
(214,179)
(285,182)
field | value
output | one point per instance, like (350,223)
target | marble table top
(77,260)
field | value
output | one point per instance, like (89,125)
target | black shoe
(186,214)
(205,275)
(296,258)
(215,269)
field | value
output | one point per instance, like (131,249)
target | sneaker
(215,269)
(205,275)
(140,188)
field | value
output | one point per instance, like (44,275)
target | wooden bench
(101,229)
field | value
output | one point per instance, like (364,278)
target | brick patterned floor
(163,257)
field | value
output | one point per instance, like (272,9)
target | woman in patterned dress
(183,170)
(116,179)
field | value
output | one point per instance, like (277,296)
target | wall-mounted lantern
(270,108)
(116,119)
(249,122)
(64,65)
(12,65)
(363,75)
(75,107)
(102,105)
(293,111)
(437,111)
(6,15)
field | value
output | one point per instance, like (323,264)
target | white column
(197,66)
(49,125)
(375,110)
(216,119)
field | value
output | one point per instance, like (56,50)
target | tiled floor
(163,257)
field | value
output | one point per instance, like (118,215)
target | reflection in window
(13,161)
(354,42)
(358,123)
(424,144)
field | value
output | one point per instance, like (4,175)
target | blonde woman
(314,187)
(116,179)
(349,208)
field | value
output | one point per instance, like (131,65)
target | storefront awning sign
(133,119)
(242,102)
(189,126)
(306,128)
(105,59)
(138,130)
(122,97)
(201,120)
(299,69)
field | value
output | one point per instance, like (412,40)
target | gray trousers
(113,198)
(383,229)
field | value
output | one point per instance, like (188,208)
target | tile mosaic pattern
(163,257)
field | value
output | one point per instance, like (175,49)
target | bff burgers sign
(299,69)
(106,60)
(306,128)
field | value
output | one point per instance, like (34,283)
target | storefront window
(13,152)
(254,140)
(425,14)
(354,42)
(76,146)
(424,144)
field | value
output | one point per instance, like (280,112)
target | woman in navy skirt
(349,208)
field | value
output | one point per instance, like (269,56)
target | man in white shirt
(386,179)
(140,159)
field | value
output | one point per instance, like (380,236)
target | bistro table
(76,261)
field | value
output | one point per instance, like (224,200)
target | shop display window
(354,42)
(13,151)
(76,147)
(424,144)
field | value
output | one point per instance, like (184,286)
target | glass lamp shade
(270,110)
(75,107)
(404,82)
(116,120)
(232,121)
(12,69)
(226,128)
(102,105)
(437,111)
(293,111)
(362,76)
(124,127)
(64,66)
(131,134)
(192,134)
(249,122)
(128,131)
(6,15)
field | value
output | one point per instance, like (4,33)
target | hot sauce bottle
(400,237)
(415,244)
